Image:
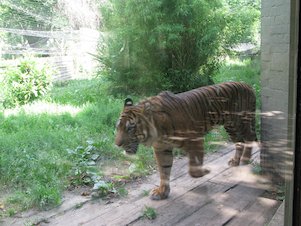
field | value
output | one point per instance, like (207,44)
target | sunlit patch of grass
(43,107)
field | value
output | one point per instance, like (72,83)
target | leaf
(100,184)
(91,163)
(90,142)
(70,151)
(95,157)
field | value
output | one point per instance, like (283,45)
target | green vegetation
(174,46)
(149,213)
(256,168)
(25,83)
(50,144)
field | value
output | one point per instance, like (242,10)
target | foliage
(26,83)
(171,45)
(149,213)
(84,170)
(243,22)
(103,189)
(161,45)
(256,168)
(44,146)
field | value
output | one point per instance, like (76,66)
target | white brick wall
(275,35)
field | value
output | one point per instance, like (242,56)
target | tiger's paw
(198,172)
(232,162)
(160,193)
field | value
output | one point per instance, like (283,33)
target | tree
(161,44)
(153,45)
(243,22)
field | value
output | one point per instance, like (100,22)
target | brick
(281,19)
(280,29)
(279,62)
(276,48)
(267,20)
(277,38)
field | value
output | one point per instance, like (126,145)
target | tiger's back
(231,104)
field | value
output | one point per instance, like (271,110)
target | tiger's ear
(128,102)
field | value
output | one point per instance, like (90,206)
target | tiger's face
(134,127)
(126,133)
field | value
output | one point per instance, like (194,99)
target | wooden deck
(226,196)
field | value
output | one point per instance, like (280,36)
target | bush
(25,83)
(161,44)
(175,45)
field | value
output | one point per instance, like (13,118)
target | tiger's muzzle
(131,148)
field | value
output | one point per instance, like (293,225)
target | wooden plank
(130,212)
(35,216)
(224,207)
(260,213)
(184,206)
(202,195)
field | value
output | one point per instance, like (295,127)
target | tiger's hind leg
(239,149)
(195,150)
(247,153)
(242,133)
(164,160)
(250,137)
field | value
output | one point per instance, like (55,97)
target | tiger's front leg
(164,160)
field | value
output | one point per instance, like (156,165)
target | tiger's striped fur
(181,120)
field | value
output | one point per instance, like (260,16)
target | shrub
(26,83)
(161,44)
(175,45)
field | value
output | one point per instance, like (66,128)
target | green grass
(36,164)
(149,213)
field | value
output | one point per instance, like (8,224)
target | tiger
(181,120)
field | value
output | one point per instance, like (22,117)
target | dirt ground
(226,196)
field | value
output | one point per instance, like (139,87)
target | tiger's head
(135,126)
